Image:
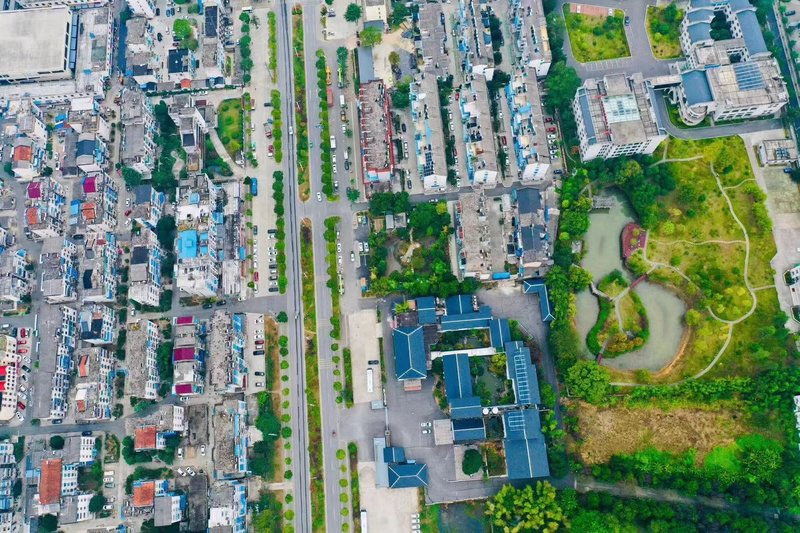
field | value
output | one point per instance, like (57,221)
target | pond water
(664,310)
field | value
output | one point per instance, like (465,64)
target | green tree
(97,502)
(372,36)
(57,442)
(561,83)
(472,462)
(528,509)
(132,178)
(48,523)
(282,317)
(352,13)
(401,96)
(182,29)
(588,380)
(394,59)
(760,458)
(165,231)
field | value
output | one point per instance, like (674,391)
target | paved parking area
(363,332)
(388,510)
(608,65)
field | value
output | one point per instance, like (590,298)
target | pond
(664,310)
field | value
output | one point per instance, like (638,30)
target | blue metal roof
(537,286)
(468,407)
(457,379)
(394,454)
(499,332)
(468,429)
(476,320)
(426,310)
(699,31)
(748,76)
(700,15)
(586,115)
(751,32)
(696,88)
(409,352)
(521,371)
(459,304)
(408,475)
(526,453)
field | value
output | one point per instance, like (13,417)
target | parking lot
(362,332)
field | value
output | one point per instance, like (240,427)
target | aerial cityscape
(389,266)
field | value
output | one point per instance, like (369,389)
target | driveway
(641,59)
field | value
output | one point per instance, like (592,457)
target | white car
(291,131)
(340,259)
(333,159)
(319,194)
(344,129)
(352,257)
(334,169)
(551,136)
(191,472)
(181,471)
(203,449)
(339,247)
(180,453)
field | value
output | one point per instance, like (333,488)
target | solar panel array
(521,374)
(748,76)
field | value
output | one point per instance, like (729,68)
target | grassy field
(699,251)
(229,125)
(595,38)
(606,431)
(663,30)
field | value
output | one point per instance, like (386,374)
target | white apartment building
(615,117)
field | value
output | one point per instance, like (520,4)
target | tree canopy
(132,177)
(561,83)
(352,13)
(472,462)
(97,502)
(371,36)
(528,509)
(57,442)
(588,380)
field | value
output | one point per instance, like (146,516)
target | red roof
(22,153)
(144,494)
(90,184)
(182,320)
(145,438)
(186,83)
(183,354)
(184,388)
(35,190)
(82,366)
(32,214)
(81,406)
(50,482)
(2,370)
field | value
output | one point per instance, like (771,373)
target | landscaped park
(230,126)
(594,35)
(663,30)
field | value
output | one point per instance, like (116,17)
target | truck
(333,143)
(254,186)
(341,101)
(330,97)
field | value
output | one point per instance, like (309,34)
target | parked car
(108,507)
(259,383)
(22,351)
(258,373)
(425,424)
(181,471)
(558,171)
(203,449)
(191,472)
(20,405)
(208,305)
(258,352)
(87,434)
(179,453)
(352,257)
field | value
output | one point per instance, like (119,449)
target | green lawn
(595,38)
(663,29)
(230,126)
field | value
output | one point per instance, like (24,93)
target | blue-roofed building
(457,378)
(468,430)
(538,287)
(729,79)
(394,454)
(467,407)
(426,310)
(408,475)
(409,353)
(522,373)
(459,304)
(499,332)
(471,320)
(526,452)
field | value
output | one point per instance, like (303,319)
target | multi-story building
(9,474)
(229,420)
(197,271)
(192,128)
(87,116)
(26,159)
(142,344)
(615,117)
(429,145)
(9,363)
(377,152)
(60,271)
(431,43)
(226,343)
(96,212)
(188,356)
(94,384)
(148,205)
(522,96)
(139,129)
(145,268)
(99,279)
(44,214)
(536,227)
(59,368)
(15,279)
(227,506)
(481,154)
(729,78)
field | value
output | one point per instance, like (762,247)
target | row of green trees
(277,125)
(280,228)
(273,44)
(325,130)
(245,51)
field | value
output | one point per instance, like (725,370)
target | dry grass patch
(612,431)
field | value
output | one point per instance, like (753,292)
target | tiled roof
(144,494)
(50,482)
(145,438)
(22,153)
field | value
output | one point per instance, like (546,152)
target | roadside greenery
(325,130)
(131,177)
(269,516)
(333,275)
(230,125)
(280,231)
(355,492)
(342,57)
(263,455)
(246,62)
(316,468)
(273,45)
(277,125)
(300,111)
(353,12)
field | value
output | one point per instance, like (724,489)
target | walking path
(729,323)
